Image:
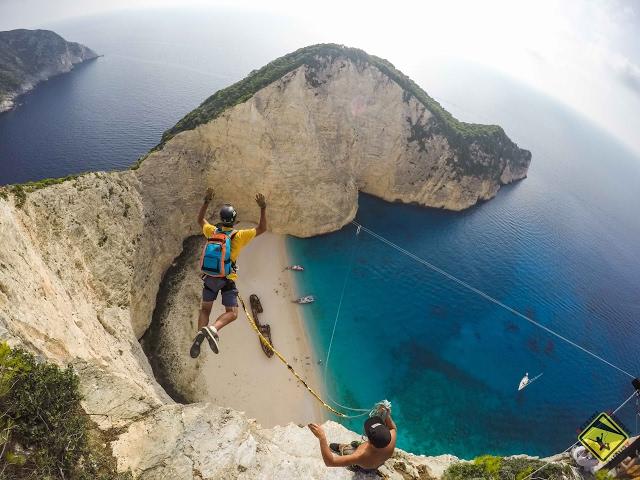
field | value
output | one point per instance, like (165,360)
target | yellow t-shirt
(240,240)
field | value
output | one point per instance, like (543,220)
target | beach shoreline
(303,316)
(275,396)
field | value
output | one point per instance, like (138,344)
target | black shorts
(213,285)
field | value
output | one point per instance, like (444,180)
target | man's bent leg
(226,318)
(230,302)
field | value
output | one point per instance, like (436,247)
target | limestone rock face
(28,57)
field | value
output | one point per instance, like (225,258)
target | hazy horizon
(584,54)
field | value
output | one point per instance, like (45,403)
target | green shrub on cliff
(19,194)
(20,190)
(44,434)
(488,467)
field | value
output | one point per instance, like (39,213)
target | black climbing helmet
(228,215)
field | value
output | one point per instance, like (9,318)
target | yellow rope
(284,360)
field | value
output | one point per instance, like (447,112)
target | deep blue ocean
(562,246)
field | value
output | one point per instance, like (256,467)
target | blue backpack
(216,255)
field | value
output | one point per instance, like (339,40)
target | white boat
(526,381)
(297,268)
(305,299)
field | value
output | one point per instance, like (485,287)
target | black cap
(228,215)
(377,432)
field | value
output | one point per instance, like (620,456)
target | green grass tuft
(47,182)
(20,190)
(19,194)
(489,467)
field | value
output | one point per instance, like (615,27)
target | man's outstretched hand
(260,200)
(209,195)
(317,431)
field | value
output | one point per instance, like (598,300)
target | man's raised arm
(391,425)
(203,209)
(262,225)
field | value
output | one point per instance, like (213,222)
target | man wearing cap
(367,456)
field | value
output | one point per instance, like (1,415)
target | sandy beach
(241,376)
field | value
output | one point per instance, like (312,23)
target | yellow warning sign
(603,437)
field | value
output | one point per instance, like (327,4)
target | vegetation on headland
(45,182)
(44,433)
(460,135)
(489,467)
(20,190)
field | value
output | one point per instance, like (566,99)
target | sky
(584,53)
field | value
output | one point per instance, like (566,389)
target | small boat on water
(265,330)
(526,381)
(296,268)
(305,299)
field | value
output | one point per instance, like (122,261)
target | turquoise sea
(562,246)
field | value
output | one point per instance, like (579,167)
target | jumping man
(220,238)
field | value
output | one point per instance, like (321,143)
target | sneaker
(195,348)
(212,336)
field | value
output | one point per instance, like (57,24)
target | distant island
(28,57)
